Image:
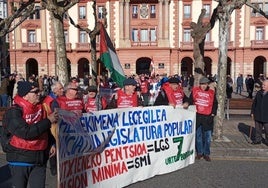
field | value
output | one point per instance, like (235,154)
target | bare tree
(92,35)
(198,33)
(57,11)
(225,9)
(223,13)
(20,11)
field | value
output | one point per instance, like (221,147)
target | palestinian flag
(109,58)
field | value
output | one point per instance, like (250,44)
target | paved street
(216,174)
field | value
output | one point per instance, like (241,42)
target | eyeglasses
(35,91)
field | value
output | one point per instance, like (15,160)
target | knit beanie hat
(92,89)
(24,87)
(129,81)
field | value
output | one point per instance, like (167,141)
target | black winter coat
(260,107)
(14,124)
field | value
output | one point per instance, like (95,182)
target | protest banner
(118,147)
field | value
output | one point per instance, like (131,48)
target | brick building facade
(155,31)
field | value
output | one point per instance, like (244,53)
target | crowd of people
(30,123)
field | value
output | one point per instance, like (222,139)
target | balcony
(259,44)
(85,47)
(31,47)
(209,45)
(187,46)
(147,43)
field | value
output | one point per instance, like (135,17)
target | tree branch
(24,10)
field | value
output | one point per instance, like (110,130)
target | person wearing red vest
(28,139)
(70,101)
(127,96)
(145,88)
(206,104)
(94,101)
(49,105)
(172,94)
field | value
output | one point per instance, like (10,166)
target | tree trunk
(61,59)
(94,63)
(224,18)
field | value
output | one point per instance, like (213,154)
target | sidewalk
(237,143)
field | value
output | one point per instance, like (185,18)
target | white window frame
(207,7)
(259,33)
(187,11)
(83,37)
(186,35)
(100,12)
(82,12)
(66,36)
(31,36)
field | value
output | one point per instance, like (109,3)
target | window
(207,8)
(265,8)
(187,11)
(31,36)
(66,36)
(134,11)
(82,12)
(187,35)
(260,6)
(3,11)
(83,37)
(100,12)
(135,35)
(36,14)
(208,39)
(153,35)
(144,35)
(260,33)
(152,11)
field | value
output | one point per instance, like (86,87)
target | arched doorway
(143,65)
(259,66)
(229,64)
(186,66)
(31,67)
(83,67)
(208,64)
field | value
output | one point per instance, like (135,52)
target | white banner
(115,148)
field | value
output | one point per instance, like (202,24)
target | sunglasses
(74,89)
(35,91)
